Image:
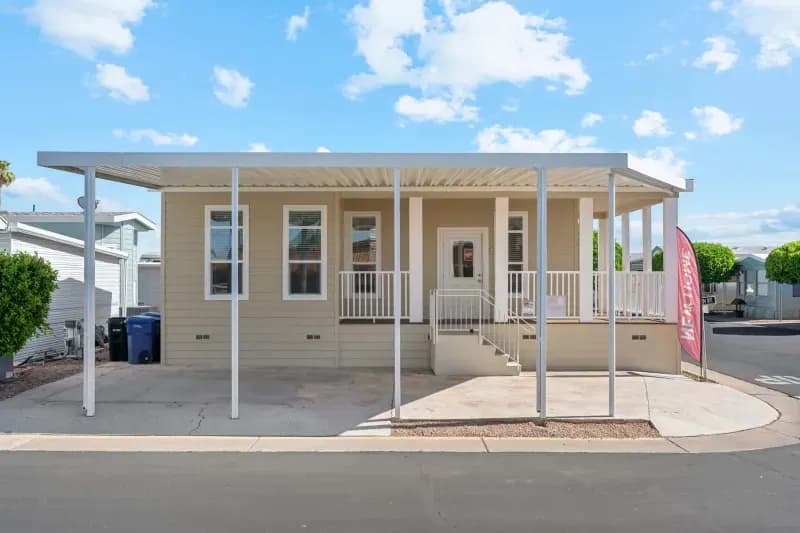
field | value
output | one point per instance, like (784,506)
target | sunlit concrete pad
(119,443)
(175,401)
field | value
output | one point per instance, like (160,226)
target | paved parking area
(765,353)
(155,400)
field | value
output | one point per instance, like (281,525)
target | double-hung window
(762,283)
(362,250)
(304,252)
(517,249)
(218,252)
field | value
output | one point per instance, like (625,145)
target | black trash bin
(117,338)
(144,339)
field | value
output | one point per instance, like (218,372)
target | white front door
(462,264)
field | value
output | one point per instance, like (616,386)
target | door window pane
(364,239)
(463,259)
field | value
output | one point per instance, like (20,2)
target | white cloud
(765,227)
(297,23)
(721,54)
(511,106)
(690,135)
(651,124)
(156,137)
(716,5)
(715,122)
(258,147)
(435,109)
(449,56)
(508,139)
(231,87)
(35,189)
(87,27)
(660,162)
(651,57)
(323,150)
(121,85)
(591,119)
(776,24)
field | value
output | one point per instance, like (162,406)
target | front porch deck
(156,400)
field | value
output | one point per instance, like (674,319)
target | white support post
(500,259)
(234,293)
(415,265)
(541,291)
(612,288)
(585,259)
(670,260)
(397,294)
(647,240)
(626,242)
(89,291)
(602,244)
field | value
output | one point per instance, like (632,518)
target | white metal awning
(365,171)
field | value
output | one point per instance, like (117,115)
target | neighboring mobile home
(334,248)
(65,254)
(764,299)
(115,230)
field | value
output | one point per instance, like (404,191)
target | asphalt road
(768,355)
(355,493)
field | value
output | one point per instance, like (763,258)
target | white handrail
(473,311)
(370,295)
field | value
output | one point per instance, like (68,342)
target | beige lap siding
(272,331)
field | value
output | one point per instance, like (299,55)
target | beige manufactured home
(429,261)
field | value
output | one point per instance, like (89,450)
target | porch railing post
(415,265)
(500,259)
(396,292)
(585,267)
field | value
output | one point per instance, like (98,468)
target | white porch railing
(370,295)
(473,311)
(638,294)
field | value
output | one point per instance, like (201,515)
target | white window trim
(323,270)
(348,237)
(245,252)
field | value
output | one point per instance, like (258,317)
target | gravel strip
(556,429)
(32,375)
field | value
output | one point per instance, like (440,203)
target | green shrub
(717,262)
(27,283)
(783,263)
(617,253)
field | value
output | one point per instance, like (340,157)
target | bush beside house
(783,263)
(717,262)
(27,283)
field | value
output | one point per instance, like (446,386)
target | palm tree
(6,177)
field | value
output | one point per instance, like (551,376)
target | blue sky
(704,89)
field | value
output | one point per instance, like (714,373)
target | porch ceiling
(464,172)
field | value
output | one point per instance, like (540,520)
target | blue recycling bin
(144,339)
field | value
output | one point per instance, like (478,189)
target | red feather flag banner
(690,299)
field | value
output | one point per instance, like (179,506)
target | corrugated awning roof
(366,171)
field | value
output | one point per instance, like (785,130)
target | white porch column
(612,289)
(626,242)
(396,293)
(88,286)
(415,259)
(234,293)
(670,260)
(500,259)
(541,291)
(585,259)
(602,244)
(647,240)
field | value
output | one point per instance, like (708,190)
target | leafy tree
(617,253)
(27,283)
(658,260)
(783,263)
(717,262)
(6,177)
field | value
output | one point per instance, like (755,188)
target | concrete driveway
(156,400)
